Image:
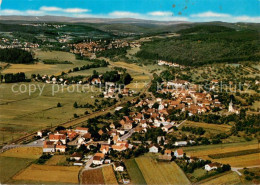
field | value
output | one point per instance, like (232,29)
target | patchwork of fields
(235,161)
(147,170)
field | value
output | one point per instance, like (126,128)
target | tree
(75,105)
(58,104)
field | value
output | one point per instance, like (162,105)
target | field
(233,154)
(161,173)
(109,175)
(22,113)
(23,152)
(93,177)
(9,166)
(236,161)
(223,179)
(210,128)
(134,172)
(47,173)
(56,160)
(41,68)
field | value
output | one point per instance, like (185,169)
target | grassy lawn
(161,173)
(134,172)
(9,166)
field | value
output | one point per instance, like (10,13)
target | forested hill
(204,44)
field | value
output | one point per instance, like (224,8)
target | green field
(160,172)
(9,166)
(48,69)
(134,172)
(22,113)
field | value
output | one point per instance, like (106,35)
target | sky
(162,10)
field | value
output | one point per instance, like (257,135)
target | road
(235,169)
(181,123)
(128,134)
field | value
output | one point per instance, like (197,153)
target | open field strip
(222,179)
(9,166)
(56,160)
(236,161)
(161,173)
(109,175)
(134,172)
(241,161)
(65,174)
(23,152)
(94,176)
(212,128)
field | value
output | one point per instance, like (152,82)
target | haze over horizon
(185,10)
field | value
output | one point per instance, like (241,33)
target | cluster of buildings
(186,97)
(89,47)
(171,64)
(15,43)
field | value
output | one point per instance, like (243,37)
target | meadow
(161,173)
(42,69)
(134,172)
(15,160)
(9,166)
(109,175)
(222,179)
(22,113)
(43,173)
(236,161)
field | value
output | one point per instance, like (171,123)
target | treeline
(97,64)
(198,131)
(16,56)
(12,78)
(201,45)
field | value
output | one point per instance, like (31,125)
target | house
(154,149)
(212,166)
(98,158)
(39,133)
(57,137)
(96,81)
(61,148)
(76,156)
(167,128)
(48,146)
(180,143)
(104,149)
(168,152)
(78,163)
(112,126)
(81,130)
(178,153)
(118,167)
(120,146)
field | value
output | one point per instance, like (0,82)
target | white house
(48,147)
(98,158)
(81,130)
(212,166)
(180,143)
(154,149)
(118,167)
